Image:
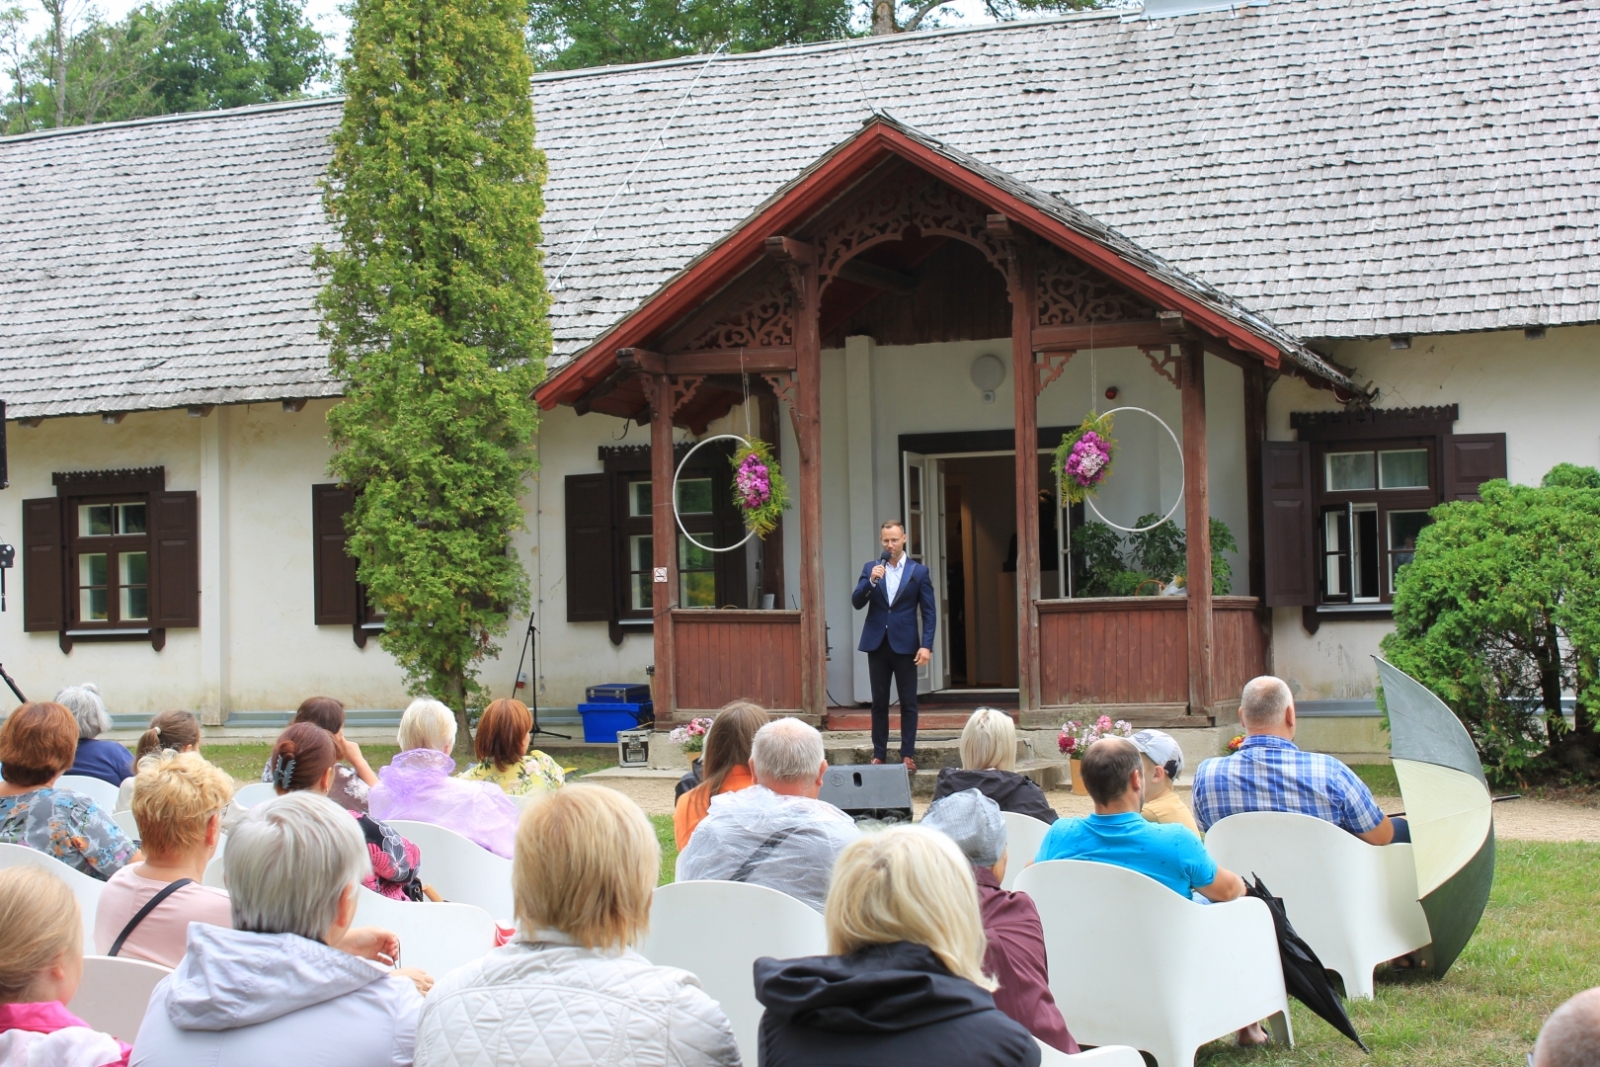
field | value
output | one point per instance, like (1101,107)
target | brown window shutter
(174,560)
(44,605)
(1470,459)
(591,585)
(1288,548)
(337,595)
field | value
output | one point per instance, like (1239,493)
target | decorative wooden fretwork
(763,318)
(1050,365)
(683,389)
(782,386)
(1072,293)
(1166,363)
(907,200)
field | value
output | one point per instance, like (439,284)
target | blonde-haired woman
(416,785)
(904,986)
(571,990)
(989,765)
(41,963)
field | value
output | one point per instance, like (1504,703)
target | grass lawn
(1380,778)
(1537,945)
(669,846)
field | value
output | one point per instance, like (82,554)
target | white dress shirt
(892,573)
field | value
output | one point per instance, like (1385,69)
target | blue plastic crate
(602,721)
(617,693)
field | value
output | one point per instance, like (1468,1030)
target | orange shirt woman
(725,764)
(694,804)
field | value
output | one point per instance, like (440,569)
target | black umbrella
(1303,974)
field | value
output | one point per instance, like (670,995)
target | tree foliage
(186,55)
(1111,564)
(1499,614)
(435,309)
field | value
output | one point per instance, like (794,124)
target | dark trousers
(884,663)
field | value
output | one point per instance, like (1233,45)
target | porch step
(929,717)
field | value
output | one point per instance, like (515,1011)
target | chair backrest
(436,937)
(1104,1056)
(461,870)
(114,993)
(129,825)
(521,800)
(104,794)
(85,888)
(213,876)
(1024,834)
(250,795)
(717,930)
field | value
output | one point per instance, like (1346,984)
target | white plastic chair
(115,992)
(250,795)
(85,888)
(436,937)
(1354,903)
(1024,834)
(1104,1056)
(103,794)
(717,930)
(129,825)
(1167,977)
(461,870)
(213,876)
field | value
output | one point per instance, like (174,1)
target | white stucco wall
(1541,394)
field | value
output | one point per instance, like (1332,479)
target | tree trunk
(455,696)
(883,18)
(1548,656)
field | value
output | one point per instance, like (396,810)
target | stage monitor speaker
(869,791)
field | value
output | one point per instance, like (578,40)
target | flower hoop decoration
(1083,458)
(758,488)
(691,735)
(1076,737)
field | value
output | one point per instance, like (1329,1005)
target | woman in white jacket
(570,991)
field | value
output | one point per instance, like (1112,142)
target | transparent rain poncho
(782,842)
(417,786)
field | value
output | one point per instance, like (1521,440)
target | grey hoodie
(276,1000)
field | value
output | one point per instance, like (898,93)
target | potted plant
(1076,737)
(692,736)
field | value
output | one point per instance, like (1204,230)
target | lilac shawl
(417,786)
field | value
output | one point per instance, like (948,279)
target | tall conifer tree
(436,313)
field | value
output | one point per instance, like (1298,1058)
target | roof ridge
(1093,15)
(176,116)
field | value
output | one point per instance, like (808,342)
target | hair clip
(283,773)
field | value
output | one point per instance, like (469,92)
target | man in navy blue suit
(892,590)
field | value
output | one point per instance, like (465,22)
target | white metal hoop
(1089,500)
(679,473)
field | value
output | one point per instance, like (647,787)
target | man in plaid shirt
(1269,773)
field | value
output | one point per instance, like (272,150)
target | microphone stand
(530,642)
(11,684)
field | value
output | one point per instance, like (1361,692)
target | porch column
(808,411)
(1255,432)
(1025,390)
(1197,517)
(664,540)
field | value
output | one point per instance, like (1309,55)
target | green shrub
(1113,565)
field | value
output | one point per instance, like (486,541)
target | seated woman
(41,963)
(304,758)
(725,764)
(350,783)
(570,987)
(273,987)
(105,760)
(501,745)
(417,784)
(988,764)
(179,807)
(37,745)
(905,985)
(170,731)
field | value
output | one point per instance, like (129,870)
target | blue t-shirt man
(1167,852)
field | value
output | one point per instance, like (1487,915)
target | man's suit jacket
(898,620)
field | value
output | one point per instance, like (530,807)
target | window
(1373,502)
(697,567)
(111,553)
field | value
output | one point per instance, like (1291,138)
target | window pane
(694,496)
(1403,529)
(1350,471)
(133,568)
(92,603)
(642,596)
(692,557)
(1403,470)
(639,499)
(641,552)
(130,519)
(134,603)
(1364,567)
(1333,540)
(94,520)
(698,589)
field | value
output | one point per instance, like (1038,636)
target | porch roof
(1047,216)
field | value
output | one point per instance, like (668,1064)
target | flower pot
(1077,777)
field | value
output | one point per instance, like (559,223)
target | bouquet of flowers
(691,735)
(1083,459)
(1234,745)
(758,488)
(1076,737)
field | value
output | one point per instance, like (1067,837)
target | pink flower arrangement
(758,488)
(692,734)
(1076,737)
(1083,459)
(1089,460)
(752,483)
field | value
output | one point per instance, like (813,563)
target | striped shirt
(1269,773)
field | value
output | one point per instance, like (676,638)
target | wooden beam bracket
(1171,322)
(683,389)
(999,225)
(1050,365)
(1085,336)
(1166,364)
(870,274)
(642,360)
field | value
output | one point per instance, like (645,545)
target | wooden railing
(1132,652)
(724,655)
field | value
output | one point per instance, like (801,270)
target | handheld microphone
(884,557)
